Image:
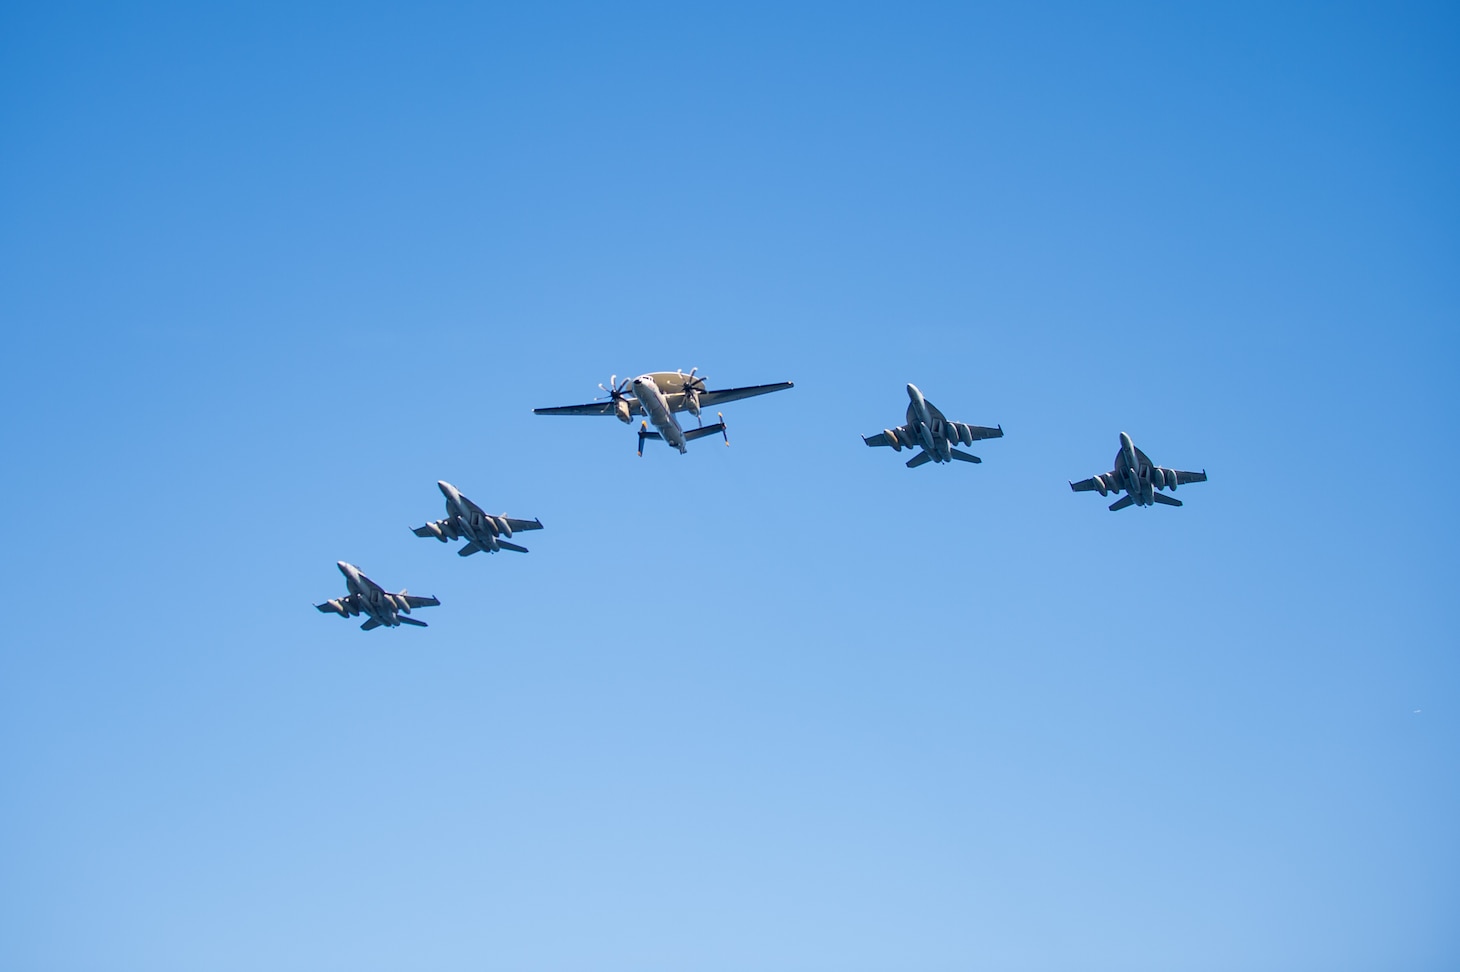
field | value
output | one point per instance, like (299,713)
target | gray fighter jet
(1139,477)
(928,429)
(658,395)
(370,598)
(483,531)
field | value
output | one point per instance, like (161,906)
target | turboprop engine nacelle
(621,411)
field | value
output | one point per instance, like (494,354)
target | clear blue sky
(266,274)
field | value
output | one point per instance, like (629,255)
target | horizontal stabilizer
(644,433)
(1122,503)
(510,546)
(370,625)
(703,431)
(405,620)
(963,456)
(919,459)
(1165,500)
(468,550)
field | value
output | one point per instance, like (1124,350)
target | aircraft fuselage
(655,405)
(373,598)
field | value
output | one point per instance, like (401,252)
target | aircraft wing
(592,408)
(880,439)
(1182,478)
(1089,484)
(709,399)
(519,525)
(984,432)
(416,600)
(328,607)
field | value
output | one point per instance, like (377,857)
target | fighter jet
(658,395)
(929,430)
(1139,477)
(466,519)
(367,596)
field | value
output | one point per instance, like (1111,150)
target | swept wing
(1086,485)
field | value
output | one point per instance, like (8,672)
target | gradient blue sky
(267,273)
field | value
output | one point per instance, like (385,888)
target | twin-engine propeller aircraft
(1139,478)
(483,531)
(369,597)
(658,395)
(928,429)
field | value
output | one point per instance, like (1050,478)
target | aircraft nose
(1125,441)
(912,390)
(446,488)
(344,567)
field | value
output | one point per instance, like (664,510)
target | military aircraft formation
(657,396)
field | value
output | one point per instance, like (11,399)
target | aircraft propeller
(691,388)
(615,392)
(615,389)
